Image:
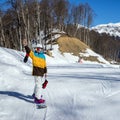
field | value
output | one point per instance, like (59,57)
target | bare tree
(2,38)
(82,17)
(60,12)
(89,20)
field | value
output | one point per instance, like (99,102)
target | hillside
(71,45)
(76,49)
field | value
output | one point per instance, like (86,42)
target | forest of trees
(26,18)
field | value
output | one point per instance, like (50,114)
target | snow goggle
(38,48)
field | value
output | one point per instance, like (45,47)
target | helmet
(33,46)
(39,46)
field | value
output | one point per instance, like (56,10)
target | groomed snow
(75,91)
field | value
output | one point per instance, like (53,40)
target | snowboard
(41,106)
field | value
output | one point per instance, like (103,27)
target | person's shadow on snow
(27,98)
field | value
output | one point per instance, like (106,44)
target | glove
(25,59)
(44,84)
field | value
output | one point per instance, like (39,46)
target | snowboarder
(39,70)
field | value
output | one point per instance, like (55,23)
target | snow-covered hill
(69,58)
(112,28)
(75,91)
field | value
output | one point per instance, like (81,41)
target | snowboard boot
(39,101)
(33,95)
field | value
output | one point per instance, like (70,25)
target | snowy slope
(75,91)
(112,28)
(59,58)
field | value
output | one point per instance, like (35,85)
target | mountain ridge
(113,29)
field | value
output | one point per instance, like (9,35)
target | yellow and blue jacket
(38,61)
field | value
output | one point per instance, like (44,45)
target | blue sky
(107,11)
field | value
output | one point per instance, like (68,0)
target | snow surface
(112,28)
(75,91)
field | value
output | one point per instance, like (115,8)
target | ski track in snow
(74,92)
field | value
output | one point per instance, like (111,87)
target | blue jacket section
(39,55)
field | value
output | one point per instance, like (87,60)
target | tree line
(27,18)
